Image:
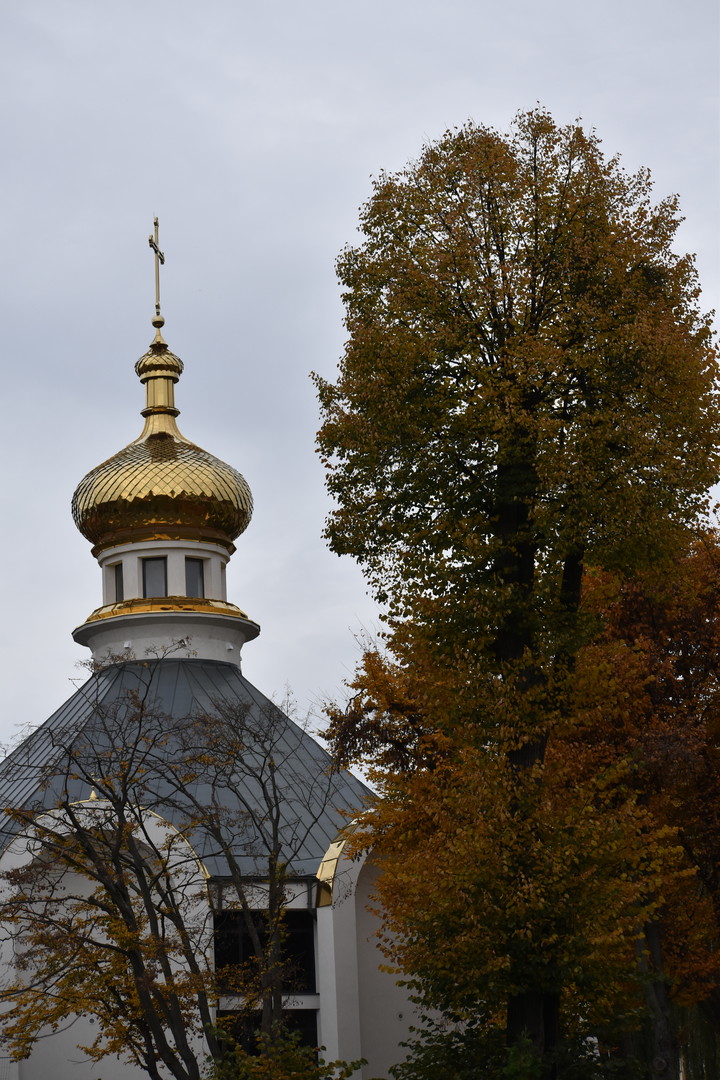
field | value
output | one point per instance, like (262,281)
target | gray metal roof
(138,707)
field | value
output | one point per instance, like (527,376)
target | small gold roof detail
(141,606)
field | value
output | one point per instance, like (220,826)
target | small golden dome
(161,486)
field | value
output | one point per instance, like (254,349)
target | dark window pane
(300,950)
(194,577)
(119,586)
(154,577)
(233,945)
(304,1021)
(244,1029)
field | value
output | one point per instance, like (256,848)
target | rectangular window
(233,946)
(154,577)
(245,1027)
(119,586)
(194,577)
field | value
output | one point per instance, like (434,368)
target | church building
(162,516)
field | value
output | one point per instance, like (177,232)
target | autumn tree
(526,390)
(660,655)
(107,908)
(485,877)
(625,833)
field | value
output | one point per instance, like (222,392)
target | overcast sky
(253,132)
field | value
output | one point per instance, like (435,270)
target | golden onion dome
(161,486)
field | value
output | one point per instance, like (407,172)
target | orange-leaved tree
(660,655)
(555,872)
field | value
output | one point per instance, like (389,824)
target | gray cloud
(252,131)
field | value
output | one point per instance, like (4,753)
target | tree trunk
(533,1013)
(665,1057)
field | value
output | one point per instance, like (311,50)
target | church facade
(213,782)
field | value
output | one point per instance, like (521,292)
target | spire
(154,242)
(159,369)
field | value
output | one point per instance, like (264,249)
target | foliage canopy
(527,379)
(527,392)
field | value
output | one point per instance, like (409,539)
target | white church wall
(56,1057)
(386,1011)
(181,633)
(364,1011)
(339,1005)
(56,1054)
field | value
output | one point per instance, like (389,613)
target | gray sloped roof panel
(313,801)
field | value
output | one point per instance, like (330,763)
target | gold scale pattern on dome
(162,486)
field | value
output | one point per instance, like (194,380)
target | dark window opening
(244,1028)
(194,577)
(154,577)
(233,946)
(119,586)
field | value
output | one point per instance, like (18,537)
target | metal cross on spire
(159,260)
